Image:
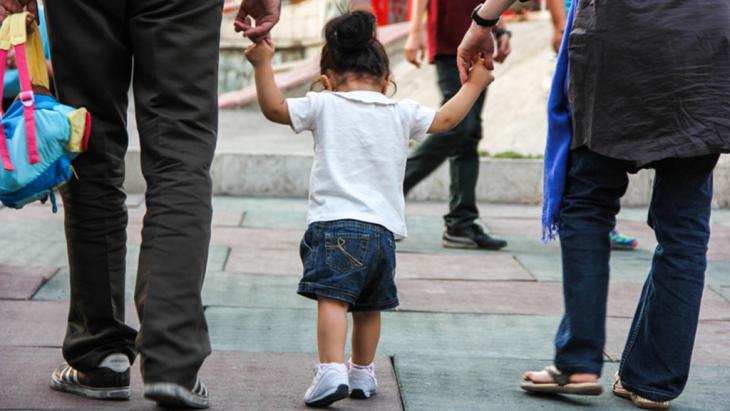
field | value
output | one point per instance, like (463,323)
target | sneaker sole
(467,245)
(174,396)
(339,394)
(359,394)
(112,394)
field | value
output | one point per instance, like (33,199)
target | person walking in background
(447,23)
(675,120)
(558,15)
(356,201)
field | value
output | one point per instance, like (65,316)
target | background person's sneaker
(472,237)
(109,381)
(363,383)
(171,395)
(330,384)
(622,242)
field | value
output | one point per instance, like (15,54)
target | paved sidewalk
(469,322)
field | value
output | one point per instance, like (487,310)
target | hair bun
(352,32)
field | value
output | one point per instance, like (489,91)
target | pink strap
(4,154)
(26,97)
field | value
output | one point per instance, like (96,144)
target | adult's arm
(558,15)
(479,41)
(416,48)
(362,5)
(266,14)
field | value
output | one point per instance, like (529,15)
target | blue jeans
(349,261)
(657,354)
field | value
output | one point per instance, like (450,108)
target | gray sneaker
(167,394)
(109,381)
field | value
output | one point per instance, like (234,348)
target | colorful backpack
(39,136)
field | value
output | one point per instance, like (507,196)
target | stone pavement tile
(265,290)
(428,240)
(447,383)
(253,290)
(538,298)
(274,239)
(721,217)
(290,330)
(638,214)
(531,228)
(222,217)
(495,266)
(20,283)
(265,261)
(427,208)
(719,243)
(261,381)
(40,323)
(276,219)
(491,210)
(135,200)
(719,248)
(25,250)
(718,273)
(723,291)
(626,266)
(712,344)
(39,212)
(253,203)
(58,288)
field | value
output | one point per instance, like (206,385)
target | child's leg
(331,330)
(365,337)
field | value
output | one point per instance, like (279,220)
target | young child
(356,204)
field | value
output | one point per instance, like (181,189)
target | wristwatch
(502,32)
(480,21)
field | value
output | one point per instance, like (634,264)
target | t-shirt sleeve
(419,118)
(303,111)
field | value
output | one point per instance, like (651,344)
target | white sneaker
(363,383)
(329,385)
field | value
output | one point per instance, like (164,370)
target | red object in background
(382,12)
(391,11)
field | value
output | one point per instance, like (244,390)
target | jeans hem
(649,394)
(379,306)
(314,291)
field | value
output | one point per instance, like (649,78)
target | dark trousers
(459,145)
(656,359)
(174,45)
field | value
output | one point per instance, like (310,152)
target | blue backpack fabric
(39,137)
(62,133)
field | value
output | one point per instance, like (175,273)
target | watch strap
(482,21)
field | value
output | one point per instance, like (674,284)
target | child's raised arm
(271,100)
(454,111)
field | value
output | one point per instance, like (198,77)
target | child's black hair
(352,47)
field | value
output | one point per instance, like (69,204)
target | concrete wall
(501,181)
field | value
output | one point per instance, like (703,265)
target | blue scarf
(560,136)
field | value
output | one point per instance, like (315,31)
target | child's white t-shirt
(360,150)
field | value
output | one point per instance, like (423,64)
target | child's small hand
(260,53)
(479,75)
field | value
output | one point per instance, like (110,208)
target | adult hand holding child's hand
(479,74)
(260,53)
(264,12)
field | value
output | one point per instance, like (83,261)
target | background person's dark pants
(656,359)
(174,44)
(459,145)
